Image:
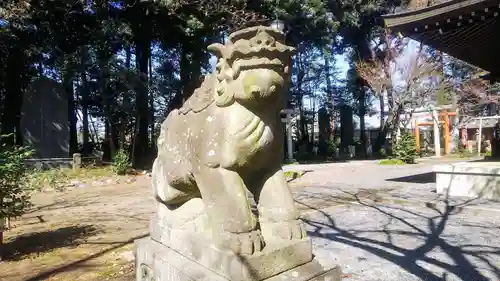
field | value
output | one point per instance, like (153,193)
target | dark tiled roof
(466,29)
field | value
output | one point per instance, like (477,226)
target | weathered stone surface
(274,258)
(44,129)
(226,140)
(155,261)
(469,179)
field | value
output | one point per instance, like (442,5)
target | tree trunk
(85,103)
(106,149)
(382,110)
(151,105)
(1,242)
(362,126)
(391,124)
(346,126)
(126,102)
(364,53)
(191,61)
(329,98)
(142,47)
(68,84)
(11,117)
(304,134)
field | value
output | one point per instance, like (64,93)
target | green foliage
(392,162)
(334,146)
(458,145)
(405,148)
(15,188)
(90,46)
(120,162)
(382,153)
(466,154)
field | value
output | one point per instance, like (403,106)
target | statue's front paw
(245,243)
(288,230)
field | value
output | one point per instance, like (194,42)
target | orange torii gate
(445,119)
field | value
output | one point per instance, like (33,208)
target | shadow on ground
(418,178)
(80,263)
(411,259)
(41,242)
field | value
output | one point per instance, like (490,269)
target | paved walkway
(384,223)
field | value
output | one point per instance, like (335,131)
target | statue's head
(253,67)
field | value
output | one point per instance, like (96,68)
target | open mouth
(258,63)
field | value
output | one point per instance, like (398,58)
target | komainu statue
(222,151)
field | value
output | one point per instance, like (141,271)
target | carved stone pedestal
(157,262)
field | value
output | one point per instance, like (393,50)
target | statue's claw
(245,243)
(288,230)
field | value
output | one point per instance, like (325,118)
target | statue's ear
(216,49)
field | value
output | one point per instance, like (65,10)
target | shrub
(382,153)
(334,146)
(405,148)
(15,187)
(120,162)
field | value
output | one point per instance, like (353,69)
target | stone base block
(469,179)
(157,262)
(276,257)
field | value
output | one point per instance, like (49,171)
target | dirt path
(87,233)
(81,234)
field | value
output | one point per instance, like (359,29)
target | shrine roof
(466,29)
(486,123)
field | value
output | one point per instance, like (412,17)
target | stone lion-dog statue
(225,143)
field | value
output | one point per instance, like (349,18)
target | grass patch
(462,155)
(108,272)
(390,162)
(56,177)
(293,175)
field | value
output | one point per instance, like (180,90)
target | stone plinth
(155,261)
(276,257)
(468,179)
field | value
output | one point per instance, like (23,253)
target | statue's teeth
(276,61)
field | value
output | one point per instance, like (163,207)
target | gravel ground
(386,224)
(379,242)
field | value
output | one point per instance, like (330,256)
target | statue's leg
(172,186)
(278,216)
(229,210)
